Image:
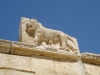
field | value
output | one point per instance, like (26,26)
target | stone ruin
(43,51)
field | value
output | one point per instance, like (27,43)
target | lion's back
(51,31)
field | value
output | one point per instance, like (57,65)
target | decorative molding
(19,48)
(25,49)
(91,58)
(5,46)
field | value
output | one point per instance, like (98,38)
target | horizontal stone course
(37,65)
(5,46)
(25,49)
(91,58)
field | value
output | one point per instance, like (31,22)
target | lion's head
(31,26)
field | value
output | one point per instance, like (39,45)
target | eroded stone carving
(48,38)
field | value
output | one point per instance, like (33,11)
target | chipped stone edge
(90,58)
(5,46)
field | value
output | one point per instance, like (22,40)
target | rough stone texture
(5,46)
(37,65)
(44,62)
(19,48)
(65,67)
(51,66)
(22,29)
(91,58)
(15,65)
(33,32)
(92,69)
(91,63)
(16,62)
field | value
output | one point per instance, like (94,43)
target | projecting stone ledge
(24,49)
(5,46)
(91,58)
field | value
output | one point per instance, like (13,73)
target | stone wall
(17,58)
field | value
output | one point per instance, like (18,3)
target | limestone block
(92,69)
(5,46)
(91,58)
(65,67)
(17,63)
(33,32)
(51,66)
(43,65)
(37,65)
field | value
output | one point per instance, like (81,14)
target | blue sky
(78,18)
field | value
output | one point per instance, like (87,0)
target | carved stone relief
(46,38)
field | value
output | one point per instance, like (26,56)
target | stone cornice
(23,49)
(5,46)
(91,58)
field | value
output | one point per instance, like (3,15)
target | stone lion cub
(41,34)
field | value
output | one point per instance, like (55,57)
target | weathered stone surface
(33,32)
(65,67)
(19,48)
(37,65)
(5,46)
(91,63)
(43,65)
(22,32)
(91,58)
(92,69)
(45,62)
(15,65)
(16,62)
(51,66)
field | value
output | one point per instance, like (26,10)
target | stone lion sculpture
(48,36)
